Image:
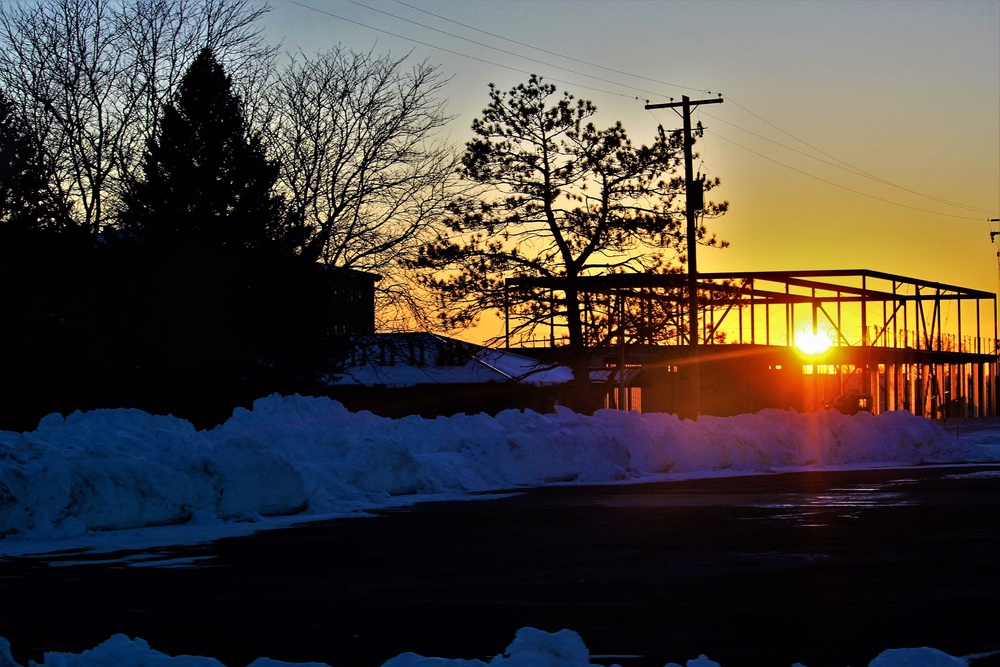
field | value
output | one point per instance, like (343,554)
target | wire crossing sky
(854,134)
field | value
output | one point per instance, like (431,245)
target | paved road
(827,569)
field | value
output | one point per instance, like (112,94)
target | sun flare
(810,342)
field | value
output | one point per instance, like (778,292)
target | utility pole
(693,204)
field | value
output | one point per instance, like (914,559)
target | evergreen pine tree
(207,179)
(26,202)
(219,309)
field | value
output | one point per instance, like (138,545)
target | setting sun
(812,343)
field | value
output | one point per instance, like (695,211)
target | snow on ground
(530,648)
(114,479)
(96,477)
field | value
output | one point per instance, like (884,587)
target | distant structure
(419,373)
(855,340)
(351,300)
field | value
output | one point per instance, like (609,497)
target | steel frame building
(895,342)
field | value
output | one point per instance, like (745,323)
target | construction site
(854,340)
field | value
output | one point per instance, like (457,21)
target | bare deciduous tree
(92,75)
(362,164)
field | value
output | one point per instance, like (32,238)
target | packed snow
(113,479)
(531,648)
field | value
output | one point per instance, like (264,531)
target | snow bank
(114,469)
(530,648)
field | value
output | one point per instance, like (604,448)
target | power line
(509,53)
(456,53)
(833,161)
(553,53)
(836,162)
(840,164)
(846,166)
(842,187)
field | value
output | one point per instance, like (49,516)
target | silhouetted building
(399,374)
(351,296)
(848,339)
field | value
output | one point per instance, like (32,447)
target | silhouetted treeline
(196,304)
(178,199)
(356,138)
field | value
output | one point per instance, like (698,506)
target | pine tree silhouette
(26,202)
(221,306)
(207,178)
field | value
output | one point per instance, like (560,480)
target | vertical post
(506,314)
(622,403)
(692,209)
(818,389)
(692,258)
(866,377)
(739,312)
(767,323)
(960,347)
(994,352)
(552,317)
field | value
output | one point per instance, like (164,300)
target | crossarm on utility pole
(692,239)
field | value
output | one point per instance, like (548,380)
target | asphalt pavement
(823,568)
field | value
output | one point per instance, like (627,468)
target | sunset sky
(852,135)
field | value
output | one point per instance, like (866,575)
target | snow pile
(90,476)
(116,469)
(530,648)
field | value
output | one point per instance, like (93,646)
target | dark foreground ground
(827,569)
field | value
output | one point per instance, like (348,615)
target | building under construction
(850,339)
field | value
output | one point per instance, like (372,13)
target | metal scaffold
(806,339)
